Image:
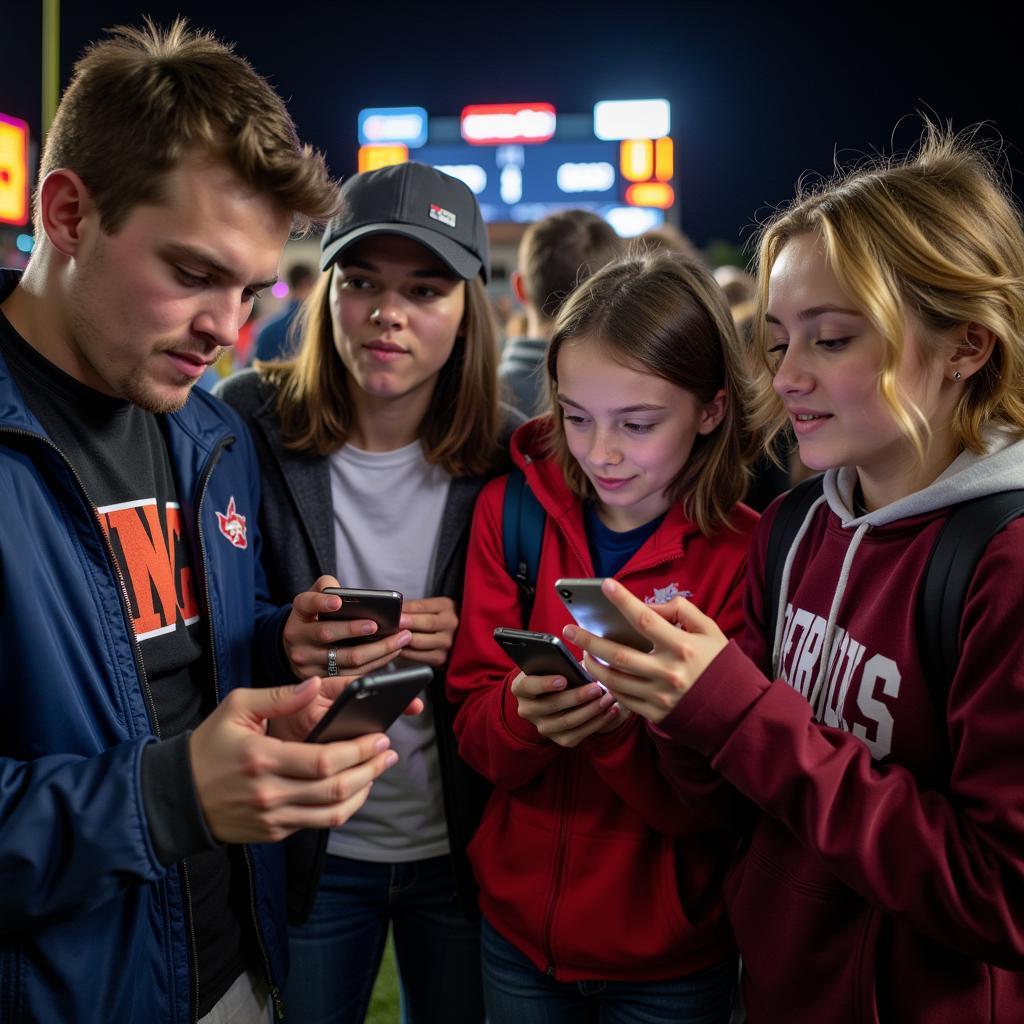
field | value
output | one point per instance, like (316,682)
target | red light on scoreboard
(13,170)
(492,124)
(651,193)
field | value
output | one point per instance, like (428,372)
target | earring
(957,375)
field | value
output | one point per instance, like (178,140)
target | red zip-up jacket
(884,880)
(589,862)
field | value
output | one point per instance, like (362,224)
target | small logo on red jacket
(232,525)
(662,595)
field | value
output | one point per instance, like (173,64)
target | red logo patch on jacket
(232,525)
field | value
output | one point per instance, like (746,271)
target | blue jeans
(517,993)
(336,953)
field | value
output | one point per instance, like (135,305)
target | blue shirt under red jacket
(589,861)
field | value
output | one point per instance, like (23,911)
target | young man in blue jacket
(143,783)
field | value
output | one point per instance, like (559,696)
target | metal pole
(51,62)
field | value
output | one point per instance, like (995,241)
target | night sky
(759,93)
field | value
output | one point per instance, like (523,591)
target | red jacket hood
(531,453)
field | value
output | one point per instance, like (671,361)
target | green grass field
(385,1005)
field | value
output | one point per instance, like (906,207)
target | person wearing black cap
(374,441)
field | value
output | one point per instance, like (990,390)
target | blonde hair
(139,100)
(663,313)
(461,429)
(933,236)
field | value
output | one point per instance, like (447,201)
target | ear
(973,346)
(517,287)
(65,205)
(712,413)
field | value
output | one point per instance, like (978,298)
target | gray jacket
(297,531)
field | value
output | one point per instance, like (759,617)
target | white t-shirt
(387,509)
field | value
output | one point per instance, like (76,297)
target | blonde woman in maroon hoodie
(884,877)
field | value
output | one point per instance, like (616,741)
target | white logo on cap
(443,215)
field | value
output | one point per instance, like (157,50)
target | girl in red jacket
(600,882)
(884,878)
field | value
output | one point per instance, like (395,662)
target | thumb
(280,701)
(325,581)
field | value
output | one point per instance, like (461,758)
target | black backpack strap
(522,533)
(954,557)
(792,511)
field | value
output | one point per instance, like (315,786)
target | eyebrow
(816,311)
(441,272)
(642,407)
(189,255)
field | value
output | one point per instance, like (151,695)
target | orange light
(636,159)
(13,170)
(651,193)
(371,158)
(663,159)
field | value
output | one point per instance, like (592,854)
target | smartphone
(596,614)
(541,654)
(381,606)
(370,704)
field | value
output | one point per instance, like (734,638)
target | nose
(604,448)
(220,318)
(792,375)
(389,313)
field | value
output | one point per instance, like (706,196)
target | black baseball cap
(415,201)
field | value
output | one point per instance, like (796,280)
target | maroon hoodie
(884,879)
(589,862)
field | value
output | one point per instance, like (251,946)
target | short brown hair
(141,98)
(663,313)
(461,429)
(559,252)
(934,235)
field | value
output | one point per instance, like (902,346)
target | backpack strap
(954,557)
(792,511)
(522,533)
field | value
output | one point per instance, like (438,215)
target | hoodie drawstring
(784,588)
(816,697)
(817,694)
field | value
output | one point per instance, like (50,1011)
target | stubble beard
(139,391)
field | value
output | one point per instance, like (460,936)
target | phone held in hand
(370,704)
(588,605)
(541,654)
(381,606)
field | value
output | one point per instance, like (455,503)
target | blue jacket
(92,926)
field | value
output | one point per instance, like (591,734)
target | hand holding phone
(587,604)
(564,716)
(384,607)
(541,654)
(370,704)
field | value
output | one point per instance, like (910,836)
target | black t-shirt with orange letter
(118,451)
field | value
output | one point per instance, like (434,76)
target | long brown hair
(664,313)
(460,431)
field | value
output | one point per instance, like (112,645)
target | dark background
(759,93)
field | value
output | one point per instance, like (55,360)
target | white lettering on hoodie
(869,680)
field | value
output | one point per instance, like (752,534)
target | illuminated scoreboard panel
(524,161)
(13,170)
(519,182)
